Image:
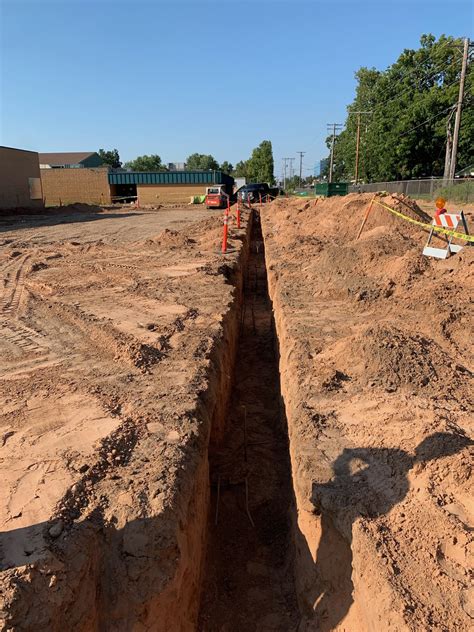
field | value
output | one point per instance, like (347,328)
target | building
(176,166)
(101,186)
(165,187)
(68,186)
(20,181)
(70,160)
(320,169)
(239,182)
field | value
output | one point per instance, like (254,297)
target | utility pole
(356,174)
(457,122)
(336,127)
(449,145)
(291,167)
(284,172)
(301,153)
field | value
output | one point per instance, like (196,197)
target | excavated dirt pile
(376,374)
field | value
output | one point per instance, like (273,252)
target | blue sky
(173,77)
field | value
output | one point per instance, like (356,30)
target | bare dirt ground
(108,320)
(119,330)
(376,372)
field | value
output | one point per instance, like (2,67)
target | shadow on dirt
(367,482)
(144,548)
(75,213)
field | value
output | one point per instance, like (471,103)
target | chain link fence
(458,190)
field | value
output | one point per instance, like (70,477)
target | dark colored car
(253,192)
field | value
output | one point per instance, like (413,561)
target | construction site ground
(276,439)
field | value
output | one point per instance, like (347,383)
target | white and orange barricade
(448,221)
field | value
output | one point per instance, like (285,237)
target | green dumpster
(328,189)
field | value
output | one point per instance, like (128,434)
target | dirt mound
(172,239)
(390,358)
(377,378)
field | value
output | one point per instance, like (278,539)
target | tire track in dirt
(34,351)
(14,286)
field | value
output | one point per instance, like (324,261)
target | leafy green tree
(197,162)
(146,163)
(226,167)
(260,164)
(410,102)
(240,170)
(110,157)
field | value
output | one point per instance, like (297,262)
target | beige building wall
(20,183)
(150,194)
(68,186)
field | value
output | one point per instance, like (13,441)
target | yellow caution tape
(438,229)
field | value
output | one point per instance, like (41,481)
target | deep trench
(248,582)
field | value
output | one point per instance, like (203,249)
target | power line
(397,96)
(450,42)
(451,107)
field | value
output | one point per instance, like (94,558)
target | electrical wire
(397,96)
(441,47)
(451,107)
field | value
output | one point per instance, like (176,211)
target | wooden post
(367,213)
(356,175)
(457,122)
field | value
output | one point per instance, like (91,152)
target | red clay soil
(249,582)
(376,373)
(117,334)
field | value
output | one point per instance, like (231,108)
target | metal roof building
(70,160)
(170,177)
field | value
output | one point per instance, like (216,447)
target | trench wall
(146,576)
(374,605)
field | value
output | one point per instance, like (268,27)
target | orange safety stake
(367,213)
(226,228)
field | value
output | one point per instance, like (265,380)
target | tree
(226,167)
(410,102)
(240,170)
(110,157)
(146,163)
(260,164)
(204,162)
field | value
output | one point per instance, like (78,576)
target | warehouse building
(68,186)
(102,186)
(70,160)
(20,181)
(165,187)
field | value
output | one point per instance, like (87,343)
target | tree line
(406,109)
(258,168)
